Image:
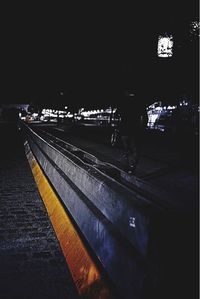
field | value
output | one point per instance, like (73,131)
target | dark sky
(90,53)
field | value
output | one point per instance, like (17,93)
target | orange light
(84,272)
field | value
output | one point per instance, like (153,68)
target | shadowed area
(32,264)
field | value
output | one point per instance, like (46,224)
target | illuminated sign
(165,46)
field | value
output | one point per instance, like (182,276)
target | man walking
(132,126)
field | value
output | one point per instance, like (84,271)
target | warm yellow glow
(85,274)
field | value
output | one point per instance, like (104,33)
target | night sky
(93,53)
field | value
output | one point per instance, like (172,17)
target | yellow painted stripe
(85,274)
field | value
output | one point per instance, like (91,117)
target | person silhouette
(133,122)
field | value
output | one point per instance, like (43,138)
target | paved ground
(31,261)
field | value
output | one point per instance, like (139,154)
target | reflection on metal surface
(85,274)
(132,221)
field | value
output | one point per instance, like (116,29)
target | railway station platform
(31,261)
(31,258)
(170,164)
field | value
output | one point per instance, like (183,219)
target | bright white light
(152,118)
(69,115)
(165,46)
(171,107)
(159,108)
(195,28)
(53,115)
(85,113)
